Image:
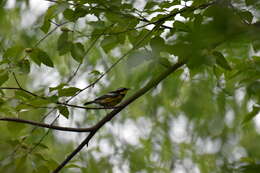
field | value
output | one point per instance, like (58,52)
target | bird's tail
(87,103)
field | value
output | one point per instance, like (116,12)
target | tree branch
(113,113)
(68,129)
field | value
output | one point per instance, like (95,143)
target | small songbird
(110,99)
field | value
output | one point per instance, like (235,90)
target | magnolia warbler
(112,98)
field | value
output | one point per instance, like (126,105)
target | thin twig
(49,33)
(87,51)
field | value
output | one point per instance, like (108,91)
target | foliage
(199,119)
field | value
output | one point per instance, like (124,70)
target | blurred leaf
(68,91)
(246,15)
(165,62)
(77,52)
(63,45)
(157,44)
(4,76)
(45,26)
(39,102)
(60,86)
(15,128)
(253,89)
(51,13)
(23,95)
(250,2)
(69,15)
(73,15)
(251,168)
(108,43)
(41,57)
(24,66)
(180,26)
(48,15)
(64,111)
(95,72)
(72,166)
(138,57)
(221,61)
(251,115)
(14,52)
(256,45)
(53,98)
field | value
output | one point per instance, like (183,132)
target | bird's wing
(110,95)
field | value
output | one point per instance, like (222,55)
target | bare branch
(68,129)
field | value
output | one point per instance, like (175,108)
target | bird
(110,99)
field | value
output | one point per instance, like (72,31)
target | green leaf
(63,45)
(50,13)
(251,115)
(73,166)
(39,102)
(53,98)
(136,58)
(95,72)
(2,102)
(4,76)
(180,26)
(77,52)
(39,56)
(157,44)
(60,86)
(79,11)
(13,52)
(24,66)
(69,15)
(246,15)
(68,91)
(15,128)
(221,61)
(256,45)
(165,62)
(23,95)
(45,26)
(108,43)
(253,88)
(197,21)
(64,111)
(250,2)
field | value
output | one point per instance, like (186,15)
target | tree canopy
(193,68)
